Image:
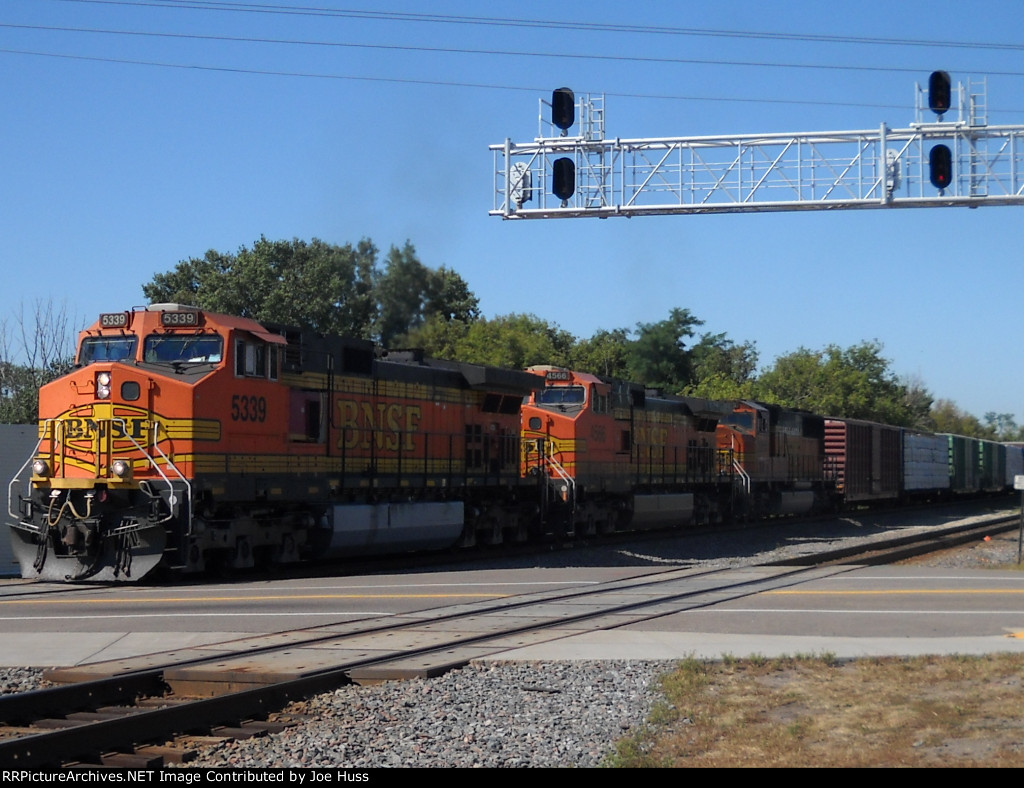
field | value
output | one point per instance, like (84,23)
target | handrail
(172,499)
(737,466)
(50,429)
(562,474)
(741,472)
(10,487)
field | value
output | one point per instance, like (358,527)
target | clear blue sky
(123,154)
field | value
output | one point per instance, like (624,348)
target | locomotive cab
(565,426)
(113,472)
(778,458)
(613,454)
(190,440)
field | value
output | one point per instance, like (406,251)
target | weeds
(816,711)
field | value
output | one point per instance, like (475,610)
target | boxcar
(1014,463)
(963,465)
(867,459)
(991,465)
(925,464)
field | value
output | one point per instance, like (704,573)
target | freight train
(185,441)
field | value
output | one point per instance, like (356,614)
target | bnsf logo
(389,426)
(88,429)
(81,429)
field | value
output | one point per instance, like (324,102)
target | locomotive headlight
(120,468)
(102,385)
(41,468)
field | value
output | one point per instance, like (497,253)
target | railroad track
(139,713)
(900,548)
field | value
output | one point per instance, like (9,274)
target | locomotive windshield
(562,395)
(179,348)
(107,349)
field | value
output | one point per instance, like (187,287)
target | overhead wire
(392,16)
(489,52)
(269,8)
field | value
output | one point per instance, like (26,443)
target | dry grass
(814,711)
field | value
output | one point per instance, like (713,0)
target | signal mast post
(1018,484)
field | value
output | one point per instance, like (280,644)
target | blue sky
(124,154)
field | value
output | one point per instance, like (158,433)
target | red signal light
(939,92)
(940,166)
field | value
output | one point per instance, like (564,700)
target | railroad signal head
(939,93)
(563,108)
(940,166)
(563,175)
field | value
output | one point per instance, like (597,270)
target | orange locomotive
(615,455)
(184,439)
(778,456)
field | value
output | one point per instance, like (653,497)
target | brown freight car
(867,458)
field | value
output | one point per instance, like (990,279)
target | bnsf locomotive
(615,455)
(186,439)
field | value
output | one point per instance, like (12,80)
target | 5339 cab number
(246,407)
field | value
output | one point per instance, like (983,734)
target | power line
(412,81)
(396,16)
(488,52)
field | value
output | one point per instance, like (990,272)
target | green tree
(409,294)
(606,353)
(946,416)
(919,403)
(314,285)
(722,369)
(439,337)
(402,292)
(449,297)
(19,394)
(1002,426)
(852,383)
(516,341)
(659,357)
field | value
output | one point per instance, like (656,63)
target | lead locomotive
(185,439)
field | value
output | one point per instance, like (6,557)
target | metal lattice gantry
(873,168)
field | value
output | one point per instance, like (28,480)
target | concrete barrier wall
(16,442)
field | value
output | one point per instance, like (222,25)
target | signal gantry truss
(874,168)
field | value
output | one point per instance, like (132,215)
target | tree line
(398,301)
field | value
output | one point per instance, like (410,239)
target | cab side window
(255,360)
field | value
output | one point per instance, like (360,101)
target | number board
(179,319)
(113,320)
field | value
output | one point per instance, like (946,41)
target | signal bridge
(933,163)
